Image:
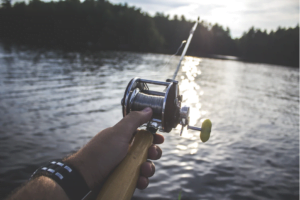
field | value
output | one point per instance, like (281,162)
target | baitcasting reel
(166,106)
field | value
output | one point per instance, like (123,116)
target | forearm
(92,171)
(45,188)
(97,159)
(40,188)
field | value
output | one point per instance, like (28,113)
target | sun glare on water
(191,93)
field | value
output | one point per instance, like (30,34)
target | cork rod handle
(122,182)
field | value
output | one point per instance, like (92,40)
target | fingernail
(146,110)
(157,151)
(153,167)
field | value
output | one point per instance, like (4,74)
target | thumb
(129,124)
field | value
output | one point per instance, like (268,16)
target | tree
(6,4)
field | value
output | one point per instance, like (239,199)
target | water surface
(53,102)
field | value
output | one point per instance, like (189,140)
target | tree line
(98,24)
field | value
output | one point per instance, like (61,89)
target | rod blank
(186,47)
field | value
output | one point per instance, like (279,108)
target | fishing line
(184,50)
(186,47)
(168,62)
(142,100)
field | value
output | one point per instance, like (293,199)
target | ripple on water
(53,102)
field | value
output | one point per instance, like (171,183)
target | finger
(128,125)
(154,152)
(147,169)
(142,183)
(158,139)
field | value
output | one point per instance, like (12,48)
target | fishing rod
(167,114)
(186,47)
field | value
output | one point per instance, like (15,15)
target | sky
(238,15)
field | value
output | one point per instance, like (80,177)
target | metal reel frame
(171,104)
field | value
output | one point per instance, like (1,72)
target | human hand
(108,148)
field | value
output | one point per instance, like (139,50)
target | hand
(107,149)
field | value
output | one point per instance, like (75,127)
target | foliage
(101,25)
(279,47)
(207,39)
(73,23)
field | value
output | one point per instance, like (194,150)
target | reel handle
(122,181)
(205,130)
(194,128)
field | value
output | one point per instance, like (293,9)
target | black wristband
(67,177)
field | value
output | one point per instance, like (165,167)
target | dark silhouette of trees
(6,4)
(98,24)
(207,39)
(72,24)
(279,47)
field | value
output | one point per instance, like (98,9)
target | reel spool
(166,106)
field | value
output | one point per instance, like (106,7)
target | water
(53,102)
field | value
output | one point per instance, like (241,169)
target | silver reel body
(166,105)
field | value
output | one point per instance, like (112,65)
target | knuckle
(135,115)
(159,152)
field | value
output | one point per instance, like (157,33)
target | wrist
(66,176)
(90,174)
(99,157)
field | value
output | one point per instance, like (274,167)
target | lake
(54,102)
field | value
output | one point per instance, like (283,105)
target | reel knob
(205,127)
(205,130)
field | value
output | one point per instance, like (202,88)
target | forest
(101,25)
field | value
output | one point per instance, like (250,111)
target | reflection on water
(191,92)
(52,103)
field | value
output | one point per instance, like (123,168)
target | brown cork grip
(121,184)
